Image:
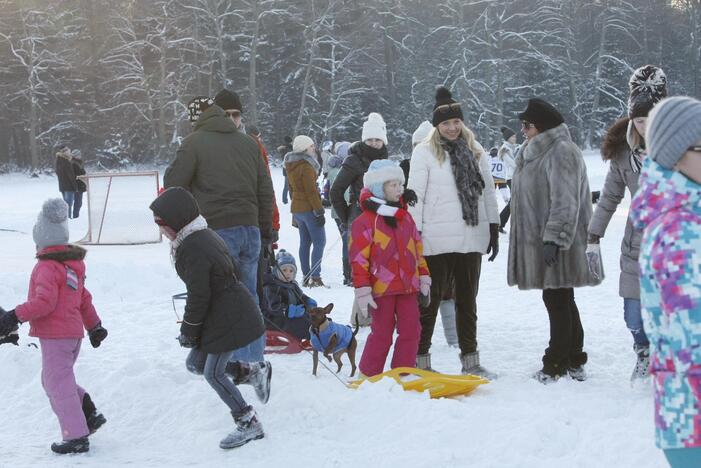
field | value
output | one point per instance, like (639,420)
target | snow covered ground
(160,415)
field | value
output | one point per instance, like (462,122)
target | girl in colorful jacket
(58,307)
(388,267)
(667,208)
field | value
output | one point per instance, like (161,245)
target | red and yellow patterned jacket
(390,259)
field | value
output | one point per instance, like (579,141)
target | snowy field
(159,415)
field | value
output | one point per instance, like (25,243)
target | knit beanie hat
(421,133)
(177,207)
(374,127)
(51,227)
(506,133)
(446,107)
(542,114)
(648,86)
(228,100)
(301,143)
(379,172)
(673,126)
(198,105)
(284,258)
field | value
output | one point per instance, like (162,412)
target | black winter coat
(351,175)
(79,170)
(66,175)
(280,296)
(220,310)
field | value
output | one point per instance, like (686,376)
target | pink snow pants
(58,379)
(402,311)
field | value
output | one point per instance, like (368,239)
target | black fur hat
(648,86)
(542,114)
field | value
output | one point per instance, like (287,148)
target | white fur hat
(422,132)
(374,127)
(301,143)
(379,172)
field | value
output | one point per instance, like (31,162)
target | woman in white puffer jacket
(458,218)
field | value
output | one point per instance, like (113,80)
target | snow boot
(93,418)
(65,447)
(423,361)
(316,283)
(577,373)
(248,428)
(642,365)
(575,367)
(545,378)
(471,366)
(261,375)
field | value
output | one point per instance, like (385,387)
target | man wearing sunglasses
(224,170)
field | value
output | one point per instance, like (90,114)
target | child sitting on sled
(389,270)
(288,305)
(58,308)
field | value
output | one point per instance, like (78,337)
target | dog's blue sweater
(344,334)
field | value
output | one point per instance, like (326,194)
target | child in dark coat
(220,313)
(58,308)
(288,304)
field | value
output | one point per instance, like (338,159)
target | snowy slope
(160,415)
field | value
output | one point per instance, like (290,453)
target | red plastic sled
(278,342)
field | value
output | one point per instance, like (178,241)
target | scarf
(468,178)
(391,212)
(197,224)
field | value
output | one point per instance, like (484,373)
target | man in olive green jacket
(223,169)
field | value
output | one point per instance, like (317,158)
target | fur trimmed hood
(62,253)
(616,139)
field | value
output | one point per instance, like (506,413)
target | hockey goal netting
(118,208)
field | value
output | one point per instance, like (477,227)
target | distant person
(507,156)
(283,150)
(78,170)
(67,182)
(225,172)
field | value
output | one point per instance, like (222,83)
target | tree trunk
(597,79)
(307,81)
(252,88)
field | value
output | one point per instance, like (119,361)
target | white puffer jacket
(438,212)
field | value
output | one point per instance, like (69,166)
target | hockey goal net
(118,208)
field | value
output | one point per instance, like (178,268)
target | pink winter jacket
(58,304)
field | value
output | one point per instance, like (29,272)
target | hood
(615,140)
(62,253)
(297,157)
(335,161)
(662,191)
(177,207)
(540,143)
(214,119)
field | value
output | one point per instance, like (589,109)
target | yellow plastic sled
(438,385)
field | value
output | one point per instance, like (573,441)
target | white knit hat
(422,132)
(374,127)
(51,227)
(301,143)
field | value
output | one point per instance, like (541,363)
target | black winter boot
(93,418)
(65,447)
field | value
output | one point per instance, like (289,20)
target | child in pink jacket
(58,307)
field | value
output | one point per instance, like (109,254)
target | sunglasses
(233,113)
(696,148)
(445,108)
(526,125)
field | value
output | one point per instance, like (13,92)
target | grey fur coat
(550,202)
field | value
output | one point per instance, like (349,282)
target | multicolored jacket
(668,209)
(390,259)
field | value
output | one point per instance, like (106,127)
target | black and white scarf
(390,212)
(468,178)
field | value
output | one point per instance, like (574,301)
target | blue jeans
(213,367)
(244,247)
(310,233)
(69,198)
(634,321)
(684,457)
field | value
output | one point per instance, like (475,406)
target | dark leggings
(566,332)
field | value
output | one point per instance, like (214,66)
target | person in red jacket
(58,308)
(389,269)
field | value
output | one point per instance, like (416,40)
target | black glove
(320,217)
(8,323)
(493,241)
(410,197)
(424,301)
(188,341)
(266,236)
(275,237)
(97,334)
(550,253)
(13,338)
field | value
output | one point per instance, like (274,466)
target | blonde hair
(434,142)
